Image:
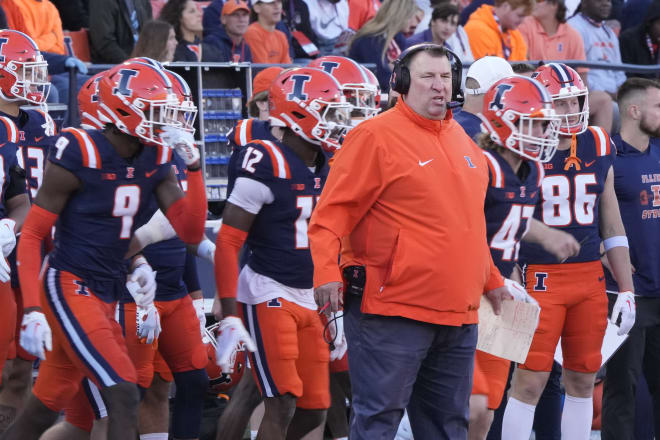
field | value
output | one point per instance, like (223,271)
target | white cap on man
(487,71)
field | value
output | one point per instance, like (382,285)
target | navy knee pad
(191,389)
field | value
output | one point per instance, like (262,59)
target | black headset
(400,79)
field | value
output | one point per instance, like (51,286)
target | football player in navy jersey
(521,133)
(97,184)
(269,206)
(482,74)
(23,80)
(637,186)
(577,196)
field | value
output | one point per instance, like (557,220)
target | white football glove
(624,305)
(147,323)
(206,250)
(232,338)
(199,310)
(5,270)
(183,143)
(337,337)
(36,335)
(518,292)
(141,284)
(7,236)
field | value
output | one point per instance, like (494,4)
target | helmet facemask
(31,80)
(522,141)
(362,98)
(580,118)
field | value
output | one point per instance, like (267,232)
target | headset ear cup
(404,81)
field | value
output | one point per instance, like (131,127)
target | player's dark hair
(444,10)
(633,85)
(522,68)
(486,143)
(253,110)
(171,13)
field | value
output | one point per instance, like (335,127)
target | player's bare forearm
(619,261)
(196,294)
(18,208)
(168,191)
(229,307)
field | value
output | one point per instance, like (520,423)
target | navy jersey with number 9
(94,229)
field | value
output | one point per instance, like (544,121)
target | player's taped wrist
(616,241)
(36,227)
(158,228)
(228,245)
(188,214)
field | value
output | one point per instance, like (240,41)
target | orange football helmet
(88,103)
(187,108)
(220,382)
(564,82)
(138,99)
(311,103)
(23,70)
(356,84)
(511,107)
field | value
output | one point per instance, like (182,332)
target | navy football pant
(396,363)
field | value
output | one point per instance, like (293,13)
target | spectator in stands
(633,13)
(600,44)
(38,19)
(74,14)
(492,30)
(360,12)
(268,45)
(186,19)
(381,40)
(549,37)
(258,103)
(157,41)
(211,17)
(229,39)
(295,16)
(445,31)
(114,28)
(641,44)
(329,21)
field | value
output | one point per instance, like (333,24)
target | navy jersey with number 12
(278,236)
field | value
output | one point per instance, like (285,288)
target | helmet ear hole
(122,112)
(298,115)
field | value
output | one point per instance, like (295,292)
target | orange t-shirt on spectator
(565,44)
(38,19)
(266,46)
(360,12)
(486,37)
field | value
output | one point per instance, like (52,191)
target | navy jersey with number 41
(509,207)
(94,229)
(570,195)
(278,236)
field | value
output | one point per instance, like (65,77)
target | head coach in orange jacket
(407,188)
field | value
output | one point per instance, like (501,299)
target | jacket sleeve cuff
(495,280)
(324,246)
